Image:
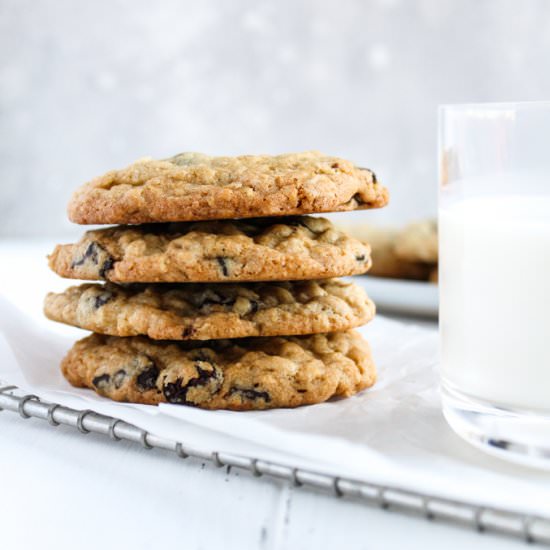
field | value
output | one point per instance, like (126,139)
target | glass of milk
(494,274)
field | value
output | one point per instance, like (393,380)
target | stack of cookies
(219,292)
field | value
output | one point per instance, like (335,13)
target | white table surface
(65,490)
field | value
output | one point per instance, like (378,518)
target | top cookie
(194,187)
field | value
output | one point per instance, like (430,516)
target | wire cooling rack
(531,528)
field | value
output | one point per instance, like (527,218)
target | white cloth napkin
(393,433)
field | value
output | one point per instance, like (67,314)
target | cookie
(213,311)
(265,249)
(245,374)
(385,261)
(194,187)
(418,242)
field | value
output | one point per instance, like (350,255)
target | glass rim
(499,105)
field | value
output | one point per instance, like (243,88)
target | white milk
(495,299)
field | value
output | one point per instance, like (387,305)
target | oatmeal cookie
(385,261)
(244,374)
(194,187)
(264,249)
(212,311)
(417,242)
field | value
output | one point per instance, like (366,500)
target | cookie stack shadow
(218,290)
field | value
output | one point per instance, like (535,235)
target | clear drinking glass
(494,226)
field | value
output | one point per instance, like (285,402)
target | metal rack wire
(531,528)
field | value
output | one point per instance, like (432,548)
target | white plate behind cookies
(401,296)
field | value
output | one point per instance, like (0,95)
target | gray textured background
(89,86)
